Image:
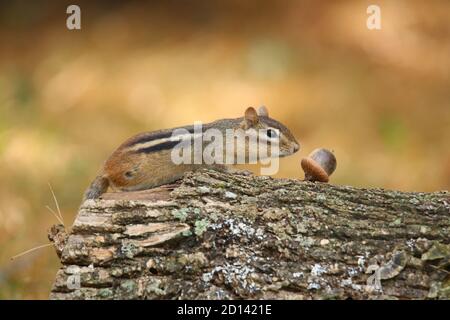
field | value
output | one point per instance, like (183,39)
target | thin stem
(56,203)
(31,250)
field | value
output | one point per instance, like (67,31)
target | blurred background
(379,99)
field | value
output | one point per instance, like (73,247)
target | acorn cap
(313,171)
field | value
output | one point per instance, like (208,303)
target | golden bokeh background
(380,99)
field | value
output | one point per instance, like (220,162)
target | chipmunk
(144,160)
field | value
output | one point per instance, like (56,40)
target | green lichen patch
(184,214)
(180,214)
(106,293)
(155,287)
(187,233)
(127,289)
(201,226)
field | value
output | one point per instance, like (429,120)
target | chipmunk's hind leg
(97,188)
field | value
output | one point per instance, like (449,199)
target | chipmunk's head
(270,132)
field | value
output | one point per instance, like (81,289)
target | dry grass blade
(57,205)
(55,214)
(31,250)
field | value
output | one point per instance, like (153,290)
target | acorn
(319,165)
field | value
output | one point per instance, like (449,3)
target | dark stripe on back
(159,147)
(147,137)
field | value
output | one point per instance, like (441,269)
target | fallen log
(217,235)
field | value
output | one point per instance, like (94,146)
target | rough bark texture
(235,236)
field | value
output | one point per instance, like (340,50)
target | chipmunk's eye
(271,133)
(128,174)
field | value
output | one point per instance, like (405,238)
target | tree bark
(217,235)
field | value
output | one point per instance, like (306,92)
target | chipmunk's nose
(295,147)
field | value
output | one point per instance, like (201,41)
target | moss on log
(217,235)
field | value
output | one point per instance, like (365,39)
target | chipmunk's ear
(250,118)
(262,111)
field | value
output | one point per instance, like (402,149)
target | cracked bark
(217,235)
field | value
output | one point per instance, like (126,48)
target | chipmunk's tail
(97,188)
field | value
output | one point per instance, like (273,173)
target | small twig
(31,250)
